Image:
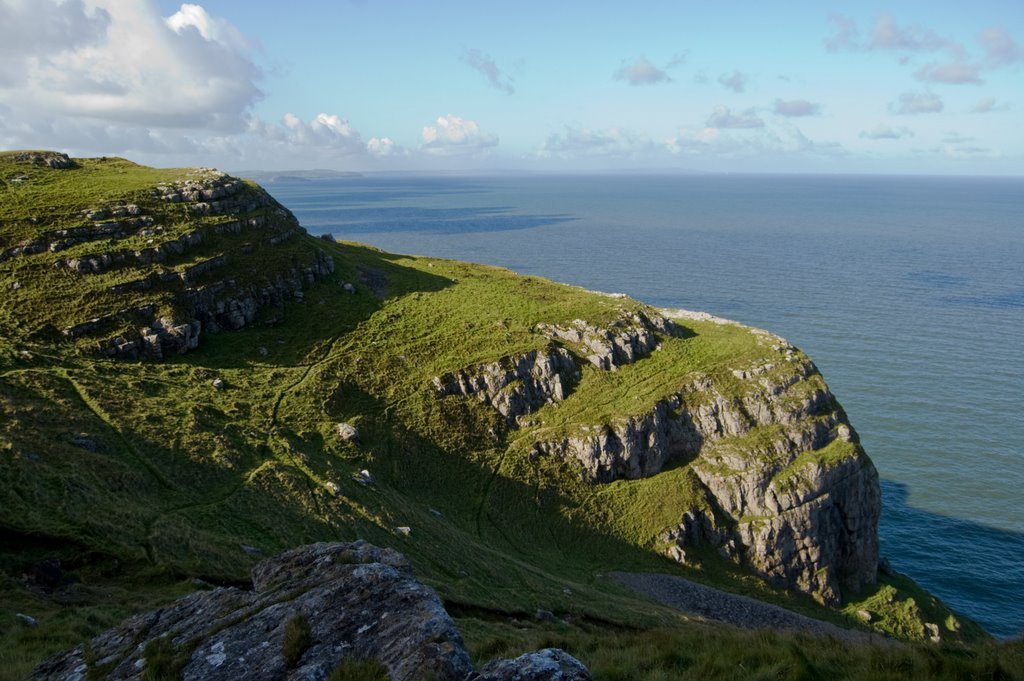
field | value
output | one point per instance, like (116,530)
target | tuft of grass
(359,670)
(694,652)
(297,639)
(164,661)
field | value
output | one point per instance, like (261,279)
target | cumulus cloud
(121,62)
(33,29)
(455,136)
(384,147)
(796,107)
(884,132)
(1000,47)
(886,35)
(326,131)
(488,68)
(987,105)
(641,72)
(575,142)
(954,73)
(736,81)
(722,117)
(917,103)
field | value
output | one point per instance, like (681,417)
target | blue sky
(898,87)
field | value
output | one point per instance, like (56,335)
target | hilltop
(191,383)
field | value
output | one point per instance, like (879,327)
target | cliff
(791,492)
(190,383)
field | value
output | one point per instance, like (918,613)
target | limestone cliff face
(794,495)
(232,212)
(515,385)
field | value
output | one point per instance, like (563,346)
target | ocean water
(908,293)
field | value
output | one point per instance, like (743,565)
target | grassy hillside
(146,481)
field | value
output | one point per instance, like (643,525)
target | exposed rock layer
(221,206)
(792,493)
(357,601)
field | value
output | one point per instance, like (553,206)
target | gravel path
(739,611)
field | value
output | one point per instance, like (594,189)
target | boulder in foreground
(311,609)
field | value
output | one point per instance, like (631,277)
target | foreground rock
(354,602)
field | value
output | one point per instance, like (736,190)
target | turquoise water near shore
(908,293)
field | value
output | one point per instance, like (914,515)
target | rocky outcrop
(50,159)
(683,424)
(218,206)
(806,518)
(310,610)
(795,497)
(550,664)
(518,385)
(622,342)
(515,385)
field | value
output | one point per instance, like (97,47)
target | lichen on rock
(358,602)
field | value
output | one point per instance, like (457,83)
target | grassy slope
(176,476)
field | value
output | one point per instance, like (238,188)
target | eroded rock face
(515,385)
(622,342)
(794,496)
(359,602)
(519,384)
(805,522)
(208,300)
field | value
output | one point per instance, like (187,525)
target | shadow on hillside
(975,569)
(326,312)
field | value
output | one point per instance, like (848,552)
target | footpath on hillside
(739,611)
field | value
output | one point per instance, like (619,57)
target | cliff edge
(189,382)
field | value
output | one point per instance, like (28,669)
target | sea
(907,292)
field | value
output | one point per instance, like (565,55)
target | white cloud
(917,103)
(31,30)
(211,28)
(884,132)
(1000,47)
(886,35)
(455,136)
(796,107)
(786,142)
(384,147)
(488,68)
(954,73)
(120,62)
(575,142)
(722,117)
(326,132)
(987,105)
(689,141)
(641,72)
(736,81)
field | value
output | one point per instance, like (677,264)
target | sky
(895,87)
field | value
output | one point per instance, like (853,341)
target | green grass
(297,639)
(145,466)
(688,651)
(359,670)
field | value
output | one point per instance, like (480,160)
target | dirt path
(739,611)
